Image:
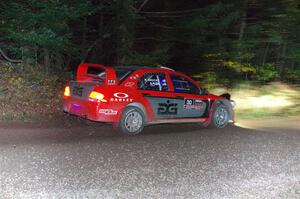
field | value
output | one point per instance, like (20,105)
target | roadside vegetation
(29,94)
(264,101)
(239,45)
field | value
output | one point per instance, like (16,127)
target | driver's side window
(183,85)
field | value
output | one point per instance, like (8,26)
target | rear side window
(153,81)
(123,73)
(183,85)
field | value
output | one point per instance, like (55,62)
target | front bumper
(233,103)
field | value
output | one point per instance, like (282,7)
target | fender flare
(217,103)
(138,105)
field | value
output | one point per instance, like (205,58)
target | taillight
(67,91)
(97,96)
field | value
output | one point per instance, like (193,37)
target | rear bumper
(96,111)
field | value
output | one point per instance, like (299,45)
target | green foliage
(28,27)
(292,76)
(223,42)
(207,79)
(266,73)
(239,67)
(156,58)
(28,92)
(235,40)
(259,48)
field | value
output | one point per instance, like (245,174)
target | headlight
(233,104)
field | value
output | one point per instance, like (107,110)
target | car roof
(143,67)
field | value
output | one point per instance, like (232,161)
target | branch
(158,25)
(89,49)
(141,6)
(150,38)
(173,12)
(8,59)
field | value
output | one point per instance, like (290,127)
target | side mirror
(226,95)
(203,91)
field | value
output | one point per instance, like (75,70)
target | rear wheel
(220,117)
(132,121)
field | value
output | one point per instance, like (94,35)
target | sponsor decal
(167,108)
(77,91)
(193,104)
(188,102)
(154,81)
(121,97)
(111,82)
(120,100)
(129,84)
(108,111)
(199,102)
(134,77)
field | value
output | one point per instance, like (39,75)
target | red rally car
(132,97)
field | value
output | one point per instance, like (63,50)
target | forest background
(237,45)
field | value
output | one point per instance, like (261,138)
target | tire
(132,121)
(220,117)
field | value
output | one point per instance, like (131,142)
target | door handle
(146,94)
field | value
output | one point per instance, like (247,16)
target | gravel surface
(89,160)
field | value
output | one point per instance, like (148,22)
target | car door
(191,100)
(154,87)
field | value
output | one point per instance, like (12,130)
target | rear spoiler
(110,75)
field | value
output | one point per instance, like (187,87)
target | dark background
(228,40)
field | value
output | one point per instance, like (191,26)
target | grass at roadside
(267,113)
(273,100)
(28,94)
(24,117)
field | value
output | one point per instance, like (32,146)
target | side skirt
(179,120)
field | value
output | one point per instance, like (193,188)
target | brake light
(97,96)
(67,91)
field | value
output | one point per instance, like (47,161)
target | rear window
(100,72)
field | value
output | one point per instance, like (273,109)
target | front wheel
(132,121)
(220,117)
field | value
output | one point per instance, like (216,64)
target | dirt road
(75,159)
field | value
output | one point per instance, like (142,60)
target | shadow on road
(77,130)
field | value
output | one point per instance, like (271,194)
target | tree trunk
(125,29)
(282,61)
(265,55)
(59,61)
(100,36)
(46,60)
(244,21)
(84,34)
